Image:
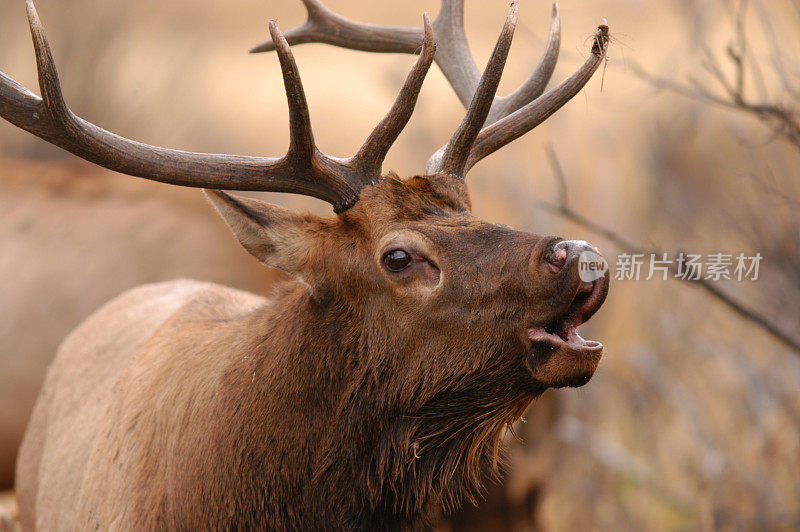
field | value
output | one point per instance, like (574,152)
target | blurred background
(688,139)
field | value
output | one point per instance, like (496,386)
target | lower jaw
(557,367)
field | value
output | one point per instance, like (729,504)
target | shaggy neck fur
(381,437)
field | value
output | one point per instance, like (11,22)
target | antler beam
(303,170)
(509,117)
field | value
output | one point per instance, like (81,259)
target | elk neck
(377,420)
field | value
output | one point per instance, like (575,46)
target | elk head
(452,324)
(435,282)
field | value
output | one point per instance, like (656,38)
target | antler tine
(325,178)
(513,126)
(49,84)
(301,137)
(371,155)
(325,26)
(457,151)
(303,170)
(534,86)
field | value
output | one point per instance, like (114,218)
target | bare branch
(784,121)
(558,172)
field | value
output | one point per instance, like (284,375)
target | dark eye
(396,260)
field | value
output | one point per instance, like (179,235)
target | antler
(303,170)
(508,117)
(455,154)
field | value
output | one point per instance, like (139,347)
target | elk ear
(275,236)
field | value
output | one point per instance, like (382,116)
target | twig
(782,120)
(565,211)
(559,173)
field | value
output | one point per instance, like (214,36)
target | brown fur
(72,237)
(356,398)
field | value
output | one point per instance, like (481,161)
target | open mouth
(563,331)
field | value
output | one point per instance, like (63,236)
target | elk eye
(396,260)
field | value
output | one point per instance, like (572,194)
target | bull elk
(369,391)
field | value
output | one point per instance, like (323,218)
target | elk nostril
(557,259)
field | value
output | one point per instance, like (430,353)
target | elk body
(73,238)
(368,392)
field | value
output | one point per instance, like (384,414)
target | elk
(371,389)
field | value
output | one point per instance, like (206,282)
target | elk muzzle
(559,356)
